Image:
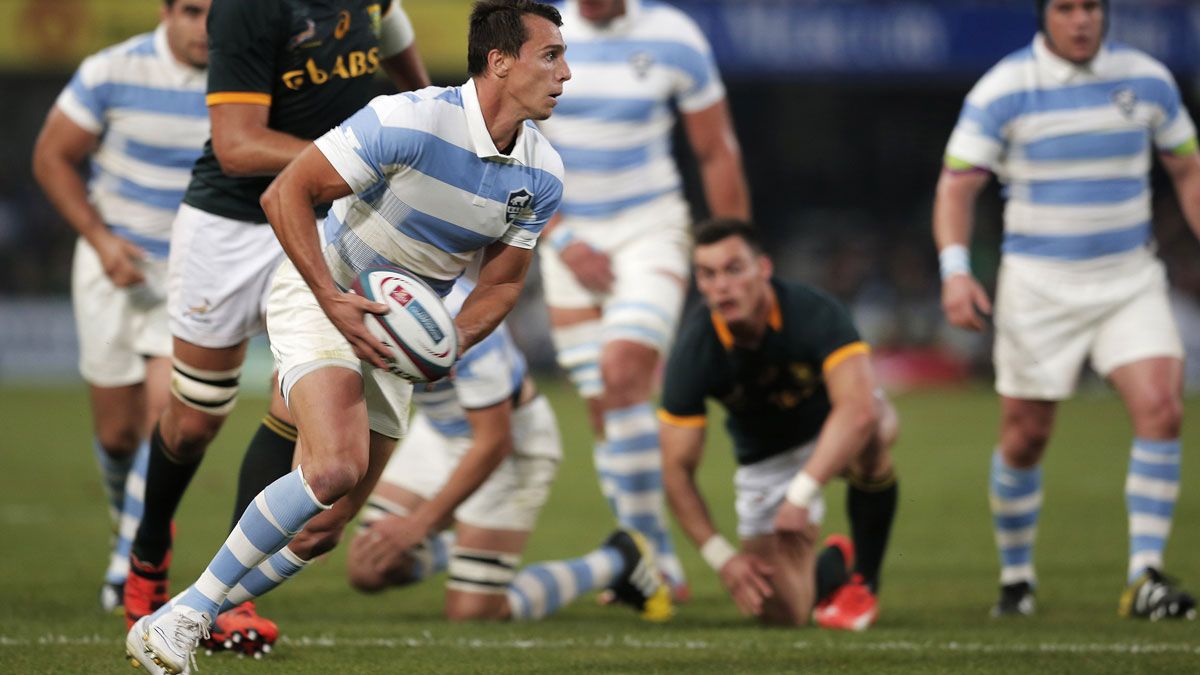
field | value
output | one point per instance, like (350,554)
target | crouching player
(789,367)
(481,454)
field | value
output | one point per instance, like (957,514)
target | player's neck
(503,122)
(749,334)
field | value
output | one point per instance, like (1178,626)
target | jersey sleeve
(529,222)
(978,138)
(1174,130)
(832,335)
(243,38)
(685,383)
(83,100)
(362,146)
(485,375)
(698,82)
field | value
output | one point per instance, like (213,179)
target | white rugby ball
(418,330)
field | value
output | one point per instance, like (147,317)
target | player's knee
(188,433)
(332,480)
(1024,437)
(1158,413)
(118,440)
(628,372)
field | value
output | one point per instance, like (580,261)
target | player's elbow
(863,418)
(232,155)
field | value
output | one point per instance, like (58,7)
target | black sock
(831,572)
(268,458)
(166,481)
(871,508)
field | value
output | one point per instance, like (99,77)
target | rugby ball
(418,329)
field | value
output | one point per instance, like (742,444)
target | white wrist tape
(954,259)
(803,490)
(560,238)
(717,551)
(395,31)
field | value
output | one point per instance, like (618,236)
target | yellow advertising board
(55,35)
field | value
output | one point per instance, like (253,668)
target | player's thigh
(1140,329)
(651,274)
(218,279)
(1043,334)
(793,560)
(419,467)
(117,327)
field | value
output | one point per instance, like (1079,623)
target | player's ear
(499,63)
(767,267)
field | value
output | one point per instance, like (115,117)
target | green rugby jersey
(311,61)
(775,394)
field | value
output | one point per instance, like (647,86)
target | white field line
(631,642)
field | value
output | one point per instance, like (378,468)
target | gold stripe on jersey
(251,97)
(687,422)
(843,353)
(774,320)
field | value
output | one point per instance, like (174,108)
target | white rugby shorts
(513,496)
(1051,318)
(219,276)
(649,246)
(303,339)
(760,488)
(117,327)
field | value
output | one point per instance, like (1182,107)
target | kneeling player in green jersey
(788,365)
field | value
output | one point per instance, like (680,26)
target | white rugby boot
(172,638)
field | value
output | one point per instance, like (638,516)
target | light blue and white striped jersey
(613,122)
(487,374)
(1072,145)
(148,109)
(430,187)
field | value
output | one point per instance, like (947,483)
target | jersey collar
(485,148)
(1062,70)
(774,321)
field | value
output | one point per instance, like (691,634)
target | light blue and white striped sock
(131,514)
(1151,489)
(608,488)
(632,462)
(264,578)
(540,590)
(275,516)
(1016,500)
(113,472)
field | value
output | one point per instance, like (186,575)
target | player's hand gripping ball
(418,330)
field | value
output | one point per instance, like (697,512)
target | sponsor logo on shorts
(518,200)
(422,316)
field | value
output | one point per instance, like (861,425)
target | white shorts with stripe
(513,496)
(1051,318)
(760,489)
(117,327)
(303,340)
(219,276)
(649,247)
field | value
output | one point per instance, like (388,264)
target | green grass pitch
(939,578)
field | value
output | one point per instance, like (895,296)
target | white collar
(163,50)
(481,138)
(619,25)
(1063,70)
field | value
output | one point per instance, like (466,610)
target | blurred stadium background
(843,108)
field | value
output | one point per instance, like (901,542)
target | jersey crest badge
(518,200)
(1125,100)
(641,62)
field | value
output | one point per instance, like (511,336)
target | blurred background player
(281,73)
(1068,125)
(137,111)
(615,270)
(436,180)
(481,455)
(803,406)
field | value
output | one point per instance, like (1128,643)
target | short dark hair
(500,24)
(714,230)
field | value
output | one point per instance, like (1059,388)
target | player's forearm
(1187,188)
(475,467)
(845,433)
(258,151)
(484,309)
(289,209)
(687,504)
(406,69)
(954,206)
(725,183)
(67,192)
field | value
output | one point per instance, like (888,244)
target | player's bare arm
(288,203)
(501,278)
(853,419)
(398,50)
(710,133)
(244,143)
(1184,170)
(963,298)
(61,147)
(406,70)
(744,575)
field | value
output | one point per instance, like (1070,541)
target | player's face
(601,11)
(186,33)
(536,76)
(1075,28)
(733,279)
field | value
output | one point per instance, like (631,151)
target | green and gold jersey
(310,61)
(775,394)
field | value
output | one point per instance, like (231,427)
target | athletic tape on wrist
(803,490)
(560,238)
(717,551)
(954,259)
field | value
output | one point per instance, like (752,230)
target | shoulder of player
(420,108)
(660,21)
(800,299)
(542,154)
(1127,61)
(1010,75)
(113,58)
